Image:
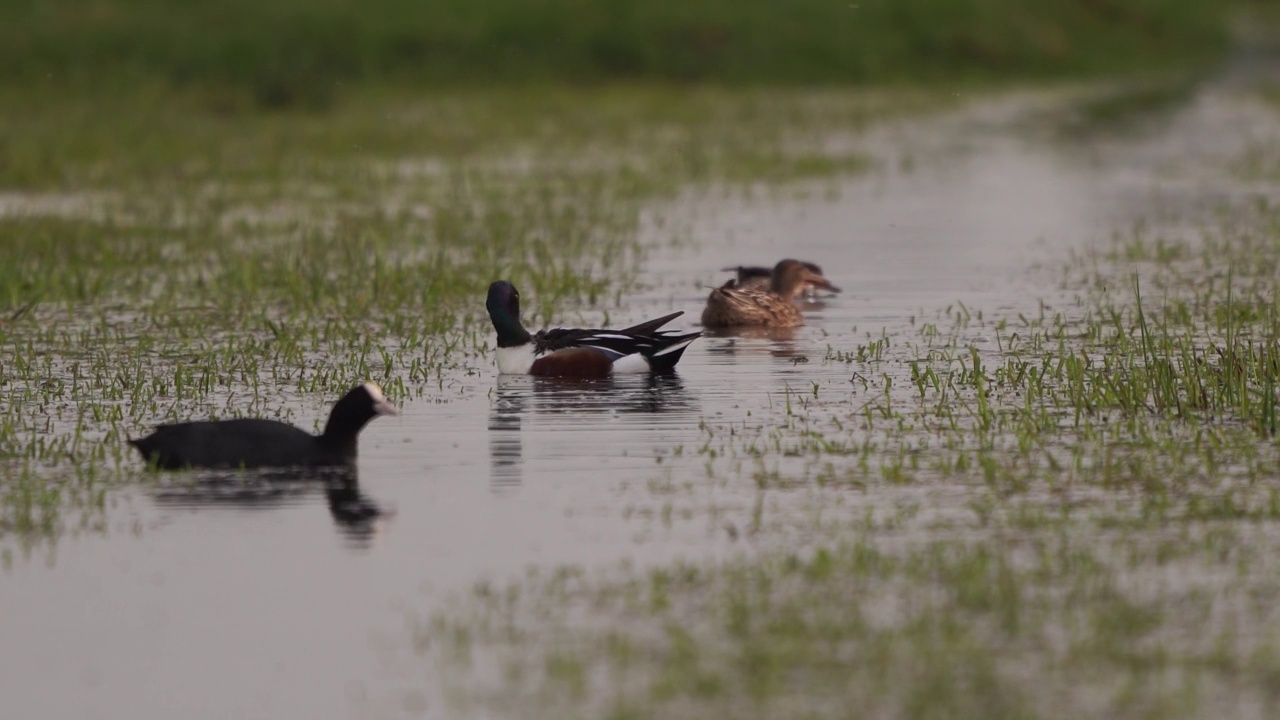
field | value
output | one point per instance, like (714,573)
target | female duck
(737,306)
(758,277)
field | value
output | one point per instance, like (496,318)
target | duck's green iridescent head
(504,311)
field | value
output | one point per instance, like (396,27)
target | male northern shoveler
(758,277)
(580,353)
(735,306)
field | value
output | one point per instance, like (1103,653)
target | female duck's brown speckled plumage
(759,278)
(736,306)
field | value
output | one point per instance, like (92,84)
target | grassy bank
(289,51)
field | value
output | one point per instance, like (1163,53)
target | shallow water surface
(293,599)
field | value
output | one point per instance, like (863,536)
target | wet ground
(291,600)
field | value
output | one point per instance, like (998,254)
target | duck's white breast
(515,360)
(632,363)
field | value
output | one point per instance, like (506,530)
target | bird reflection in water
(519,396)
(356,516)
(506,452)
(725,344)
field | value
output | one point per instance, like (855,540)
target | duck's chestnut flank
(573,362)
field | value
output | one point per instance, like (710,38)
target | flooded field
(962,489)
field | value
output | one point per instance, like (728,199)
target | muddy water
(294,600)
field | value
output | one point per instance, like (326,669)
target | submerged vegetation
(1034,625)
(1068,509)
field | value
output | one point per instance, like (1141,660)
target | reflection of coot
(354,513)
(253,443)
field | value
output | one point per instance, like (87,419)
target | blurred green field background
(285,52)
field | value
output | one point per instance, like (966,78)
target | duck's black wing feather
(670,348)
(662,348)
(649,326)
(749,272)
(614,343)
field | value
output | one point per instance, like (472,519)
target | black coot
(250,443)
